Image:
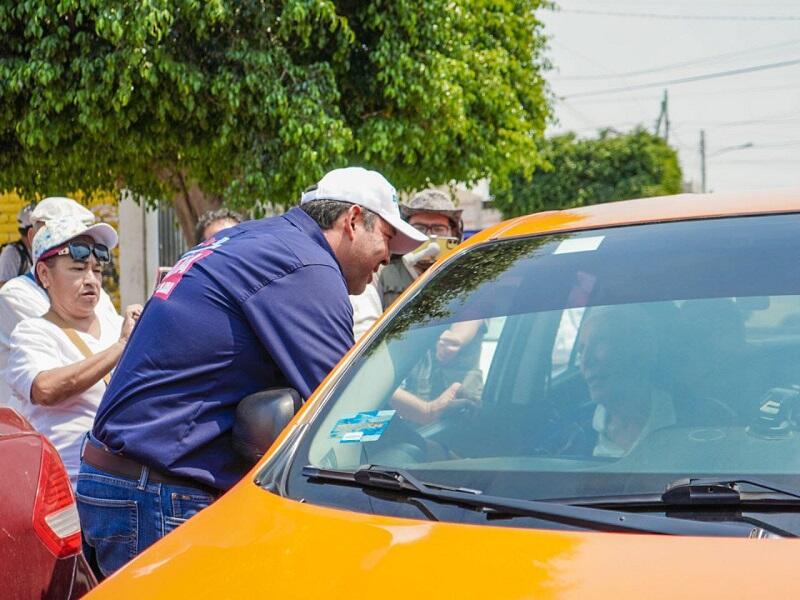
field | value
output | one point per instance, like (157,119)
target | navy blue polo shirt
(262,304)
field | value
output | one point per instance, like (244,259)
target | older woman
(618,352)
(59,364)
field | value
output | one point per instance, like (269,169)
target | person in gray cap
(15,258)
(433,213)
(446,377)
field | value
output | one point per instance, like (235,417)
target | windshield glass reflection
(593,363)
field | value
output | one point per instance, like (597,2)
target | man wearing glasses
(430,212)
(447,377)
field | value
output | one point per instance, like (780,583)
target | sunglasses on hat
(81,251)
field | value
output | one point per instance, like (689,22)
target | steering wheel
(400,444)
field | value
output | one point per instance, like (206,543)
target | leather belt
(114,464)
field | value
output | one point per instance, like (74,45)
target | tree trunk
(190,203)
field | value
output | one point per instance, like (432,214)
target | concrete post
(138,250)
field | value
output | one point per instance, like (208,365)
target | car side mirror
(260,418)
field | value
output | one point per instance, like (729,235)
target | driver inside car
(617,355)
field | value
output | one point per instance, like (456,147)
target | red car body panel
(29,568)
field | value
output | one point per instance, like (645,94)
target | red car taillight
(55,514)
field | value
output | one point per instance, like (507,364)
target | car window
(566,336)
(585,364)
(494,328)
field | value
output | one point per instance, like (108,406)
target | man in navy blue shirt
(259,305)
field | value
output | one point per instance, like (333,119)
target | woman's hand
(130,318)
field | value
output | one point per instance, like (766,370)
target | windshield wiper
(695,491)
(710,490)
(403,482)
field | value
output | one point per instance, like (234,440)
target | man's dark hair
(207,218)
(325,213)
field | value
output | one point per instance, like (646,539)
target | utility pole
(663,117)
(703,160)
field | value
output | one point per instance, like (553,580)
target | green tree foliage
(588,171)
(252,100)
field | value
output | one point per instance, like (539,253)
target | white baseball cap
(58,232)
(53,208)
(357,185)
(24,216)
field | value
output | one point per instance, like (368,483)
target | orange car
(596,402)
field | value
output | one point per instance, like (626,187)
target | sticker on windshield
(363,427)
(582,244)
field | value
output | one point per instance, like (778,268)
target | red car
(40,535)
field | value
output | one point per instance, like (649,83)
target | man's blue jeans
(121,517)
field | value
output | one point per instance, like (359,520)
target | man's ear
(351,217)
(30,233)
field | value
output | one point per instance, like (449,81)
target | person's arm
(16,306)
(421,411)
(455,338)
(52,386)
(56,385)
(367,309)
(305,322)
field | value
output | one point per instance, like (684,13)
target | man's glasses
(81,251)
(438,229)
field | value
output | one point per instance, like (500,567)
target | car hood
(252,543)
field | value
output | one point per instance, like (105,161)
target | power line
(753,147)
(751,4)
(757,161)
(674,130)
(758,121)
(590,122)
(777,118)
(583,56)
(679,17)
(716,75)
(610,126)
(785,144)
(654,98)
(588,59)
(676,65)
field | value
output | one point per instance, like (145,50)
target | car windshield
(584,364)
